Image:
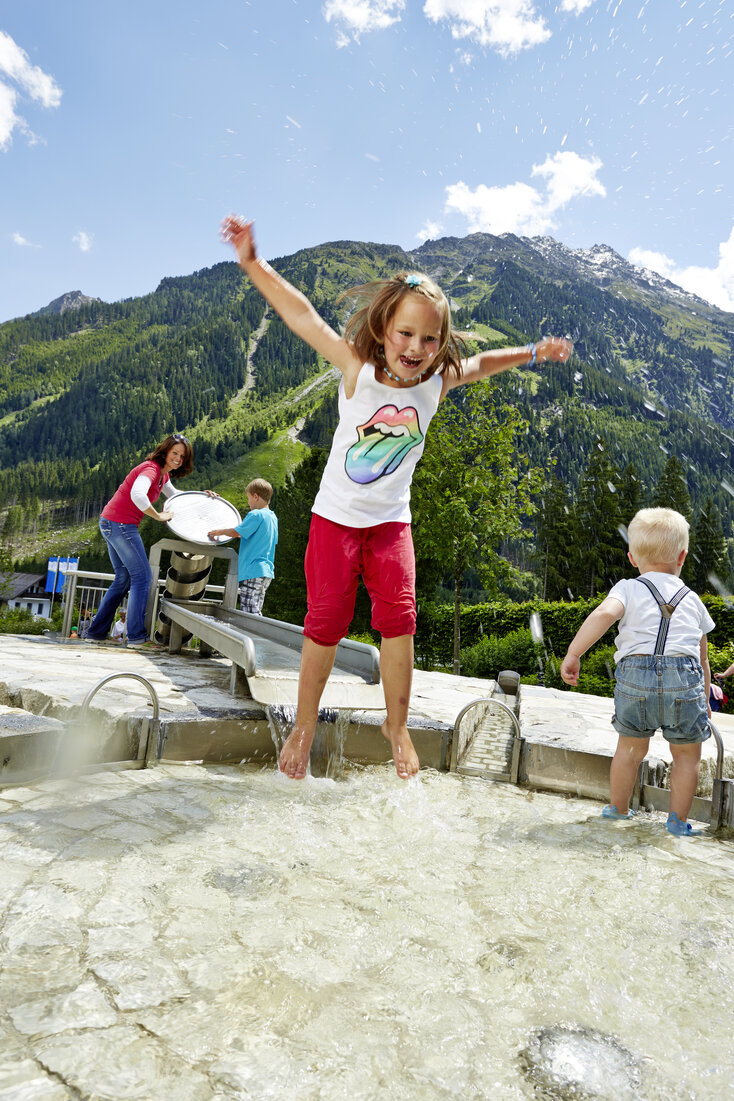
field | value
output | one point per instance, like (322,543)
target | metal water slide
(265,653)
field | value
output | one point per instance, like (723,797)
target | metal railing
(148,751)
(82,599)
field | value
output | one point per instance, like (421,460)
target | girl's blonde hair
(657,535)
(376,306)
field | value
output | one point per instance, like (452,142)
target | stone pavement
(189,933)
(216,933)
(50,679)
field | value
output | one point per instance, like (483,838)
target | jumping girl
(398,359)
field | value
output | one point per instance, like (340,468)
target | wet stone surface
(219,933)
(581,1063)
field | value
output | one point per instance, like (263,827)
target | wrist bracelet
(533,355)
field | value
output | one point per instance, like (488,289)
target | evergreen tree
(631,493)
(709,555)
(470,491)
(672,489)
(555,540)
(672,492)
(599,551)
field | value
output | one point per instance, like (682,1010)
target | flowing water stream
(201,933)
(327,751)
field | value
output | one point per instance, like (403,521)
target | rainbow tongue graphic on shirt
(383,443)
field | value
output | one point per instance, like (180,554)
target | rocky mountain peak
(71,300)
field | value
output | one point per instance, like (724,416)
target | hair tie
(413,280)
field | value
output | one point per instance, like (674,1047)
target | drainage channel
(487,743)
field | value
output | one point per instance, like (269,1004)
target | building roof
(13,585)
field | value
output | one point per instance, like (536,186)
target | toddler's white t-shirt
(638,627)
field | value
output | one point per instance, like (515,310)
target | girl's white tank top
(377,443)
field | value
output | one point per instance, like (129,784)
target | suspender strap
(666,611)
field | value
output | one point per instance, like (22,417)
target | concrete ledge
(250,738)
(553,768)
(27,744)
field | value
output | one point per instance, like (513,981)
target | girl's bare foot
(294,755)
(403,751)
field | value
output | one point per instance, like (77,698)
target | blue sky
(128,130)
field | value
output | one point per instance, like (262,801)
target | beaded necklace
(406,381)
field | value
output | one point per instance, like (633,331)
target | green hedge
(434,640)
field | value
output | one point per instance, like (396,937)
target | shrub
(516,650)
(20,621)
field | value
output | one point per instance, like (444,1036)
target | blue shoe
(680,829)
(612,812)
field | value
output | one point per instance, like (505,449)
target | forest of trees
(84,394)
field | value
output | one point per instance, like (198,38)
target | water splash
(281,718)
(327,751)
(536,627)
(720,587)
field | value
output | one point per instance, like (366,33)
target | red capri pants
(336,556)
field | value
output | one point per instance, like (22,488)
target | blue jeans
(132,573)
(665,693)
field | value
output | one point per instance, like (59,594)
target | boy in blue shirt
(258,536)
(662,674)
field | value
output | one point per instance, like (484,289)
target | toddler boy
(258,536)
(662,673)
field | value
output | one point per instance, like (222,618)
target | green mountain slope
(84,393)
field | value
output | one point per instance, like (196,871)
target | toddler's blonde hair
(658,535)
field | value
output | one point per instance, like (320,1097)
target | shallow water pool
(200,933)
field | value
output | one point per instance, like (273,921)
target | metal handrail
(153,697)
(68,593)
(719,751)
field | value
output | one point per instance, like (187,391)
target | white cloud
(32,82)
(516,208)
(21,241)
(575,6)
(507,26)
(569,175)
(8,118)
(521,208)
(715,285)
(361,16)
(653,261)
(430,231)
(83,239)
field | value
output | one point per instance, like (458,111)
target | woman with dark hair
(121,516)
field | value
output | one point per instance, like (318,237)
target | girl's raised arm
(292,306)
(502,359)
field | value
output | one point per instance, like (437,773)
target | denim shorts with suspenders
(657,692)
